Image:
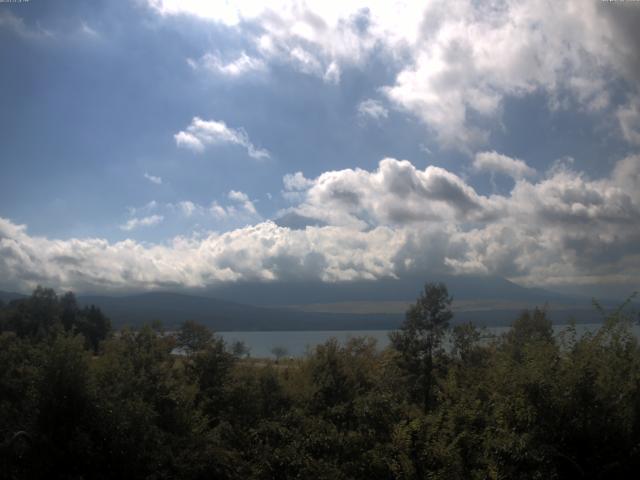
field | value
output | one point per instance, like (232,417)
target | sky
(160,144)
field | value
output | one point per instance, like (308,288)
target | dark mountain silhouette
(489,301)
(172,309)
(6,297)
(221,315)
(407,288)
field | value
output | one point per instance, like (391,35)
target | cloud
(153,179)
(373,109)
(188,208)
(226,12)
(395,194)
(315,38)
(561,228)
(497,163)
(244,208)
(189,140)
(629,118)
(242,65)
(240,208)
(243,200)
(455,62)
(296,181)
(202,133)
(218,211)
(260,252)
(87,30)
(146,208)
(19,27)
(296,221)
(134,223)
(472,58)
(332,73)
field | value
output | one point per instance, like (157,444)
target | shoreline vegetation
(78,400)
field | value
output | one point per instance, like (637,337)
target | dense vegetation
(80,401)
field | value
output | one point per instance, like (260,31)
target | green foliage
(193,337)
(419,340)
(240,349)
(529,329)
(65,405)
(530,404)
(44,314)
(21,362)
(210,370)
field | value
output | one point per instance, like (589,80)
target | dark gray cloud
(296,221)
(450,191)
(623,19)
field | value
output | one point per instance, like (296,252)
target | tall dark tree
(35,316)
(69,310)
(240,349)
(64,409)
(89,321)
(94,325)
(529,328)
(193,336)
(211,367)
(420,338)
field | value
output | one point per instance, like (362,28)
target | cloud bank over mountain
(395,220)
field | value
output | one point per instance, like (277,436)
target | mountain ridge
(255,306)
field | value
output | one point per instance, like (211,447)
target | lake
(297,343)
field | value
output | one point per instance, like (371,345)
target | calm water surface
(297,343)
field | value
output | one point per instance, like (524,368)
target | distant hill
(221,315)
(172,309)
(6,297)
(363,305)
(408,288)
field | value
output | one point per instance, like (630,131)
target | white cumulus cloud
(134,223)
(558,228)
(153,178)
(202,133)
(373,109)
(188,208)
(243,200)
(296,181)
(457,60)
(497,163)
(242,65)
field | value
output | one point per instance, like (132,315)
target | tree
(89,321)
(94,325)
(279,352)
(70,310)
(465,340)
(211,368)
(65,407)
(240,349)
(420,338)
(193,336)
(36,316)
(528,329)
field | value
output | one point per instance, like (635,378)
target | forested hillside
(78,400)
